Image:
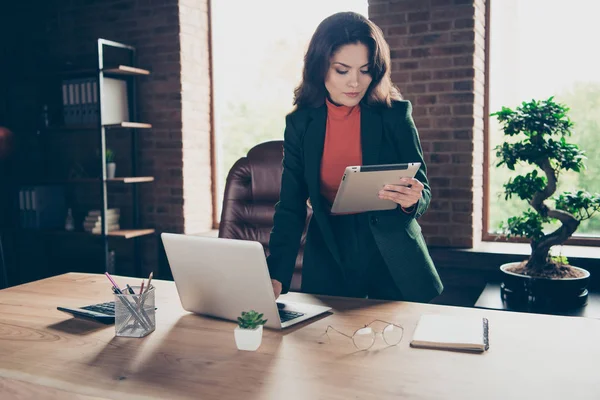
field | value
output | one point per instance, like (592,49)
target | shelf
(123,233)
(130,233)
(132,179)
(74,128)
(126,70)
(124,179)
(137,125)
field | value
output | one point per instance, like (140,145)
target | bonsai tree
(542,128)
(251,320)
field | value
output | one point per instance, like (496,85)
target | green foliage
(110,156)
(583,99)
(538,123)
(581,204)
(535,119)
(525,186)
(250,320)
(529,224)
(560,260)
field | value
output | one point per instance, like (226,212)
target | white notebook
(451,332)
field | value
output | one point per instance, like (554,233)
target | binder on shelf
(42,207)
(115,105)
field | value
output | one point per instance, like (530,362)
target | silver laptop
(223,277)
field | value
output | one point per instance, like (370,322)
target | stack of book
(93,221)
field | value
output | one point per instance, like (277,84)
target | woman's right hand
(276,288)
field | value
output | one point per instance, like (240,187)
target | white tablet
(360,186)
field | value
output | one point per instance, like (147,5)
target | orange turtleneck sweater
(342,146)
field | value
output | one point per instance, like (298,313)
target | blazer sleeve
(290,211)
(410,146)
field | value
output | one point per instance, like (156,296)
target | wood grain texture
(46,354)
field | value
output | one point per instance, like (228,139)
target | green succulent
(110,156)
(250,320)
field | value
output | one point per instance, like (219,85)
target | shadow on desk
(198,356)
(78,326)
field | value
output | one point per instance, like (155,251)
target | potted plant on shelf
(111,165)
(248,333)
(540,129)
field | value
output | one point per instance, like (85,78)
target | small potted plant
(538,132)
(111,166)
(248,333)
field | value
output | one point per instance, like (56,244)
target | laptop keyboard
(286,315)
(109,309)
(103,308)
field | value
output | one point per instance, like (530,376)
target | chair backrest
(251,191)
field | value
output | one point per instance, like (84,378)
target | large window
(258,48)
(538,49)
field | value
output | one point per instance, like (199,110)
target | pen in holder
(134,313)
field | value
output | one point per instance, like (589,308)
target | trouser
(366,274)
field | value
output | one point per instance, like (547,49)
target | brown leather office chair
(251,191)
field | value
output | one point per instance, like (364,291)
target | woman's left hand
(407,193)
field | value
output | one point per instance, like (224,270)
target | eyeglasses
(364,338)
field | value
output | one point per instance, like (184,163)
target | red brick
(397,30)
(435,63)
(420,76)
(378,9)
(437,87)
(440,110)
(418,28)
(441,26)
(407,5)
(419,16)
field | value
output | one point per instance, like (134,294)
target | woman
(348,112)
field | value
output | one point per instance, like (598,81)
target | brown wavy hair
(332,33)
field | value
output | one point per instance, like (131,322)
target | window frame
(486,236)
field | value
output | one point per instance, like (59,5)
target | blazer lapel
(314,142)
(371,130)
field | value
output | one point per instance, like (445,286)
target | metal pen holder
(135,315)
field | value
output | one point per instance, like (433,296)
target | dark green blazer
(388,136)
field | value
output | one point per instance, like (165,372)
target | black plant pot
(522,291)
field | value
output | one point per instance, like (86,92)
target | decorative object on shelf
(111,165)
(69,221)
(543,280)
(248,333)
(93,221)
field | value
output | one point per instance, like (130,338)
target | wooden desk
(44,354)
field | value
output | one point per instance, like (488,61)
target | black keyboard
(102,312)
(285,315)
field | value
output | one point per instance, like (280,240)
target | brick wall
(437,50)
(195,113)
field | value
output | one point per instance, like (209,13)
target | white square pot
(248,339)
(110,170)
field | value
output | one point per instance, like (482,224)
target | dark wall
(38,40)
